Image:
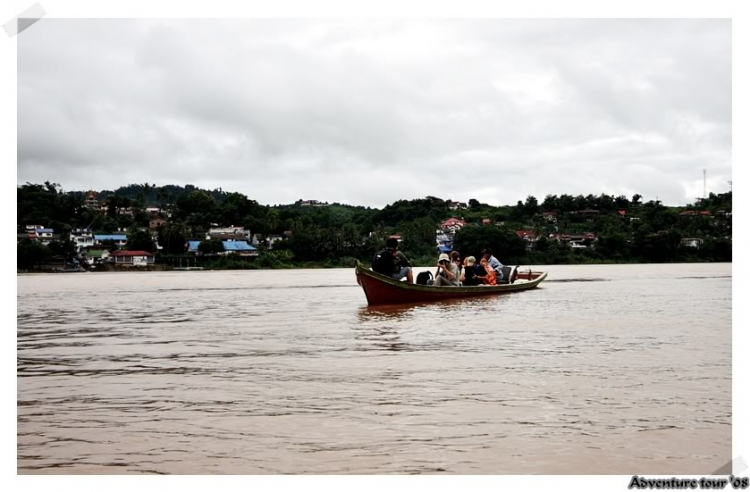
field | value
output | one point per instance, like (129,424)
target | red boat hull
(381,290)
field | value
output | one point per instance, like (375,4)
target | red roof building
(453,223)
(132,253)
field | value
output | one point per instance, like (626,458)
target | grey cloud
(369,112)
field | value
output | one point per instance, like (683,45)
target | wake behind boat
(380,289)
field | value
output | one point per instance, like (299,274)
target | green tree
(614,246)
(550,203)
(139,240)
(418,238)
(531,206)
(31,253)
(657,248)
(211,246)
(172,237)
(506,246)
(65,248)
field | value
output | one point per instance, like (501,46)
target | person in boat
(447,272)
(494,263)
(486,273)
(456,259)
(469,273)
(400,266)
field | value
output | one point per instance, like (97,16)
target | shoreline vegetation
(162,221)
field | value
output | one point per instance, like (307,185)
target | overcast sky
(369,112)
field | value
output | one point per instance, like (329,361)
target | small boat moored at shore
(381,290)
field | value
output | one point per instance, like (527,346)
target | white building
(82,238)
(231,231)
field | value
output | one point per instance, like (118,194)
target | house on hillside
(268,241)
(228,233)
(453,225)
(82,238)
(120,240)
(444,241)
(529,236)
(550,216)
(456,205)
(42,235)
(95,256)
(91,200)
(310,203)
(241,248)
(576,241)
(691,242)
(132,258)
(581,241)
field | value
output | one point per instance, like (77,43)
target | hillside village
(182,231)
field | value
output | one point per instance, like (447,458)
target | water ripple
(606,369)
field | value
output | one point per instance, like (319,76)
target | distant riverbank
(347,263)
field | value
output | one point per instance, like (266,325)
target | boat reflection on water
(407,327)
(442,308)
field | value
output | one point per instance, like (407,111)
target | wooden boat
(380,289)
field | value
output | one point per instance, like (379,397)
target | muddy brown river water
(604,369)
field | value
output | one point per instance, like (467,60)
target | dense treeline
(336,234)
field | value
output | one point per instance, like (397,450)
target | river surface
(603,369)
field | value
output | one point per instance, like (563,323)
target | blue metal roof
(237,246)
(45,230)
(444,249)
(110,237)
(193,246)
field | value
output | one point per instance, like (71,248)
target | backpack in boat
(423,277)
(382,262)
